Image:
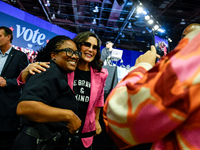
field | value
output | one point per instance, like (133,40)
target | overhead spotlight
(156,27)
(150,21)
(169,40)
(161,30)
(129,25)
(53,16)
(14,1)
(147,17)
(48,3)
(182,21)
(139,10)
(96,9)
(144,12)
(123,36)
(94,21)
(92,30)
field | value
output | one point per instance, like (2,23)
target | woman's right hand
(37,67)
(148,57)
(74,124)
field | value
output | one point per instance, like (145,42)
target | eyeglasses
(70,52)
(88,44)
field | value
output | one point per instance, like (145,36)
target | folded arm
(34,111)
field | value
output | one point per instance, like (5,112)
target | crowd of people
(55,102)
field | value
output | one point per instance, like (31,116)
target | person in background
(159,106)
(12,62)
(159,52)
(106,52)
(88,83)
(47,102)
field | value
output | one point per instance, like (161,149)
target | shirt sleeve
(146,106)
(19,80)
(44,87)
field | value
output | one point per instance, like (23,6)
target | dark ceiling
(113,17)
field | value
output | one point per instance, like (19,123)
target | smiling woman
(49,91)
(88,82)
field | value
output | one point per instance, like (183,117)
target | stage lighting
(150,21)
(156,27)
(147,17)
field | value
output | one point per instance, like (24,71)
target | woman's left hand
(98,127)
(37,67)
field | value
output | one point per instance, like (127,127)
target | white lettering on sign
(30,35)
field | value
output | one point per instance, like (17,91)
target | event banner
(25,34)
(29,32)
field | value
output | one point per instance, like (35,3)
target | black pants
(7,139)
(27,142)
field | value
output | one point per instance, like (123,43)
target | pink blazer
(96,100)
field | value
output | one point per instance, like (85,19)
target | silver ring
(77,131)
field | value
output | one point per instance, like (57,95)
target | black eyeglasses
(88,44)
(70,52)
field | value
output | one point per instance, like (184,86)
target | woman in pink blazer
(88,82)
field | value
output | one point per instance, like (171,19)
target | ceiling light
(161,30)
(94,21)
(144,12)
(137,16)
(53,16)
(129,25)
(182,21)
(92,30)
(96,9)
(156,27)
(48,3)
(147,17)
(150,21)
(129,3)
(139,10)
(169,40)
